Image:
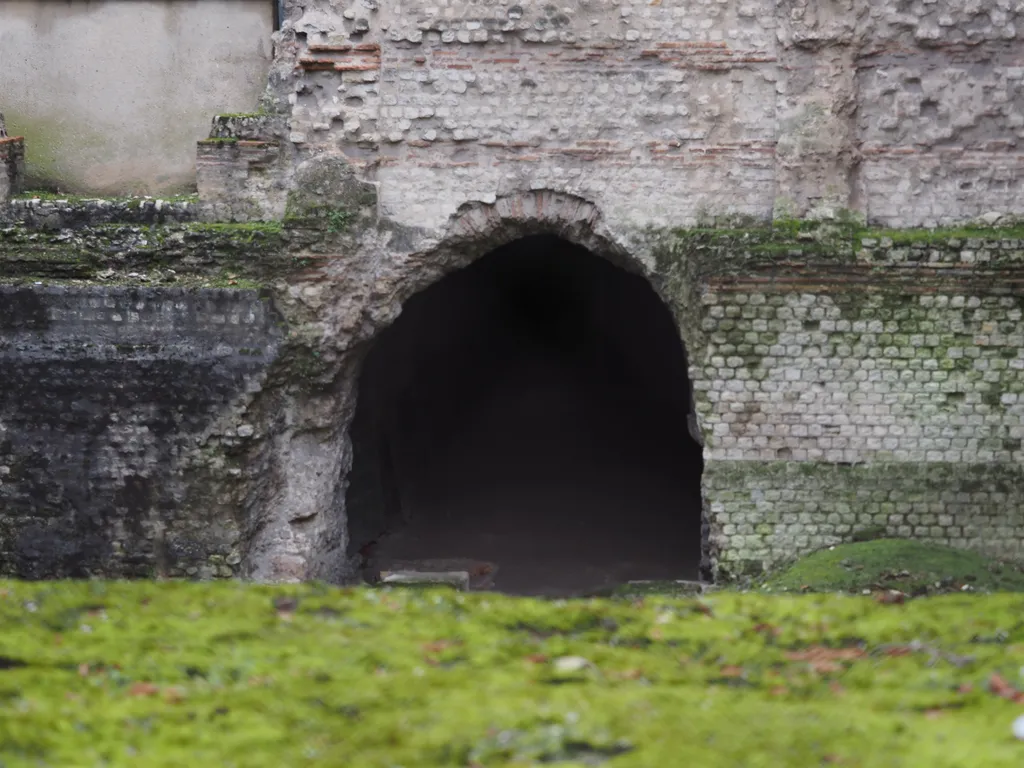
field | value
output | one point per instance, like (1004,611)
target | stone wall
(850,380)
(663,114)
(110,398)
(828,411)
(844,378)
(768,512)
(57,214)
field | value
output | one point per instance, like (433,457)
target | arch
(477,228)
(478,234)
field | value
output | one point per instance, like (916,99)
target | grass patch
(237,229)
(909,566)
(228,674)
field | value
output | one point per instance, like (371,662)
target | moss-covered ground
(912,567)
(226,674)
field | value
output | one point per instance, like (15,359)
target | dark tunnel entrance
(525,419)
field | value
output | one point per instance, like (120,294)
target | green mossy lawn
(228,674)
(912,567)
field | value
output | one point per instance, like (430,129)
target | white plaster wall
(111,95)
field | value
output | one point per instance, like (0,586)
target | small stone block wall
(769,512)
(237,182)
(53,215)
(664,113)
(110,398)
(830,409)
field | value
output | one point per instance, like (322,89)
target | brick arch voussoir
(477,228)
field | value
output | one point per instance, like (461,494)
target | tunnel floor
(552,469)
(552,507)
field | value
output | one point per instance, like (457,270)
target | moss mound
(908,566)
(171,674)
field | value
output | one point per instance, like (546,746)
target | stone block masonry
(109,400)
(768,512)
(729,152)
(843,378)
(850,379)
(663,114)
(830,412)
(876,382)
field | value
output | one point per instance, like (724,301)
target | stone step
(457,579)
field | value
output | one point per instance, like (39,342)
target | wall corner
(12,163)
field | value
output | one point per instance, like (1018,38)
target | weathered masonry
(695,285)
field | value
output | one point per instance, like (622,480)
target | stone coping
(48,213)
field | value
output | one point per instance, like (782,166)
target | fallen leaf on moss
(818,654)
(439,645)
(174,695)
(890,597)
(898,650)
(631,674)
(1001,688)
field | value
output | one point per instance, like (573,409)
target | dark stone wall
(109,398)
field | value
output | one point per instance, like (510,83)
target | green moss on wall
(48,142)
(353,201)
(235,255)
(814,504)
(784,244)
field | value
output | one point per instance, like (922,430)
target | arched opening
(525,418)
